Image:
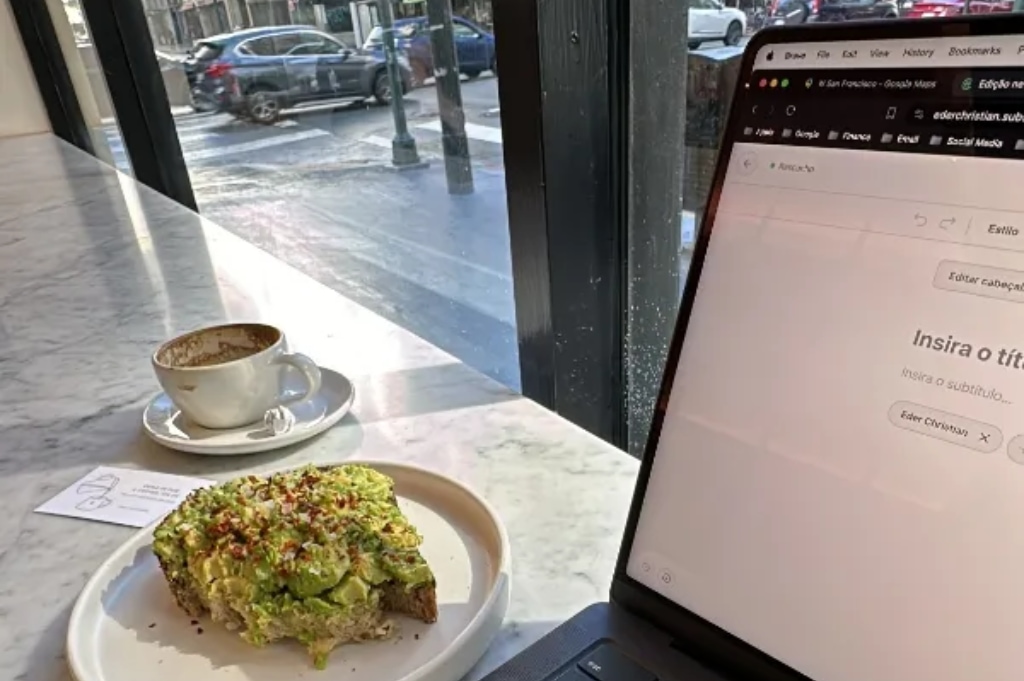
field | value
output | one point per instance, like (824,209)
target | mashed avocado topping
(297,552)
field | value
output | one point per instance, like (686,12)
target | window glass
(284,43)
(208,51)
(260,47)
(315,43)
(376,36)
(83,64)
(463,31)
(299,161)
(716,42)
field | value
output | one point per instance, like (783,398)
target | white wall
(21,109)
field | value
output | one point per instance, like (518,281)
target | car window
(208,51)
(331,45)
(376,36)
(463,31)
(314,43)
(258,47)
(284,43)
(408,30)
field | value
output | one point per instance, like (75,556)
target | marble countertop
(96,270)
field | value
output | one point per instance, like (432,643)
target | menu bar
(957,112)
(970,51)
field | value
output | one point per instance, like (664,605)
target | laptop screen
(839,479)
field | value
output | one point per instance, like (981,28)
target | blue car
(257,72)
(474,46)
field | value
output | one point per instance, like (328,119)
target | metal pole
(457,167)
(403,146)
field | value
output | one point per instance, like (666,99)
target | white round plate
(163,421)
(126,626)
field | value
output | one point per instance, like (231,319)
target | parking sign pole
(403,145)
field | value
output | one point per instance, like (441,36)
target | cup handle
(310,371)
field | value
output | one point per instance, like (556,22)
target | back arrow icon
(947,223)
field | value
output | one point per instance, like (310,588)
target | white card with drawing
(123,496)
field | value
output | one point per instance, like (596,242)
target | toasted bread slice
(321,555)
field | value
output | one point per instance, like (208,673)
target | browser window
(839,479)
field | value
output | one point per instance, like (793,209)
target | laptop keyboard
(605,663)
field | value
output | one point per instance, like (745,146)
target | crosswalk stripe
(483,133)
(203,152)
(202,122)
(378,141)
(116,141)
(255,145)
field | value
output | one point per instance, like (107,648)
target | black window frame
(49,67)
(126,52)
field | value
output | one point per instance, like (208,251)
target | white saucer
(163,422)
(125,625)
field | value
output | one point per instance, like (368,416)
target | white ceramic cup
(231,375)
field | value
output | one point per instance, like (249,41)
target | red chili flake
(199,630)
(416,636)
(195,622)
(410,559)
(386,528)
(152,625)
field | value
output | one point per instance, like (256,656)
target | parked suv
(257,72)
(852,10)
(711,20)
(474,46)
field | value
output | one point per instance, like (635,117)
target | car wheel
(891,15)
(733,34)
(471,74)
(693,44)
(264,107)
(382,88)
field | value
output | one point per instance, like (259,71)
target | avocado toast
(316,554)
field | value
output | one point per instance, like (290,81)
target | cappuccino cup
(230,376)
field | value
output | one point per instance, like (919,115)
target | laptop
(833,487)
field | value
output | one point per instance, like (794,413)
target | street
(316,190)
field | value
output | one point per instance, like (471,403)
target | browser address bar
(882,215)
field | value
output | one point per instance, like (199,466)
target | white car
(711,20)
